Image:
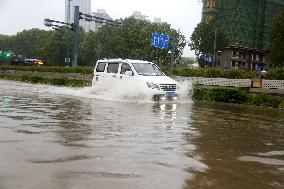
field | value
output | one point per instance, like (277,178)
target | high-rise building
(84,7)
(247,22)
(139,16)
(102,14)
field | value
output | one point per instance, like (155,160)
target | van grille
(168,87)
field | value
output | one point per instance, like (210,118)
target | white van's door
(128,80)
(125,71)
(99,73)
(111,80)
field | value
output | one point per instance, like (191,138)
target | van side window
(101,67)
(112,68)
(125,67)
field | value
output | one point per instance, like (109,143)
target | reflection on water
(54,140)
(242,146)
(167,113)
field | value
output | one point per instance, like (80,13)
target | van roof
(124,60)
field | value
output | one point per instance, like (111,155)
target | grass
(59,69)
(34,78)
(237,96)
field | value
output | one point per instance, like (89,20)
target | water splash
(135,93)
(185,91)
(125,92)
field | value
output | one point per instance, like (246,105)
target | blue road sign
(208,58)
(160,40)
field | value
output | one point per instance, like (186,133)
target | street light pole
(67,49)
(75,28)
(215,44)
(172,51)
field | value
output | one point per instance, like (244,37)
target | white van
(143,75)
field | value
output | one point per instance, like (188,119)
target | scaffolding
(247,23)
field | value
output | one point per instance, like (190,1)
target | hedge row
(84,70)
(34,78)
(238,96)
(273,74)
(212,73)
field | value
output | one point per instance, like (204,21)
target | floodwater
(61,138)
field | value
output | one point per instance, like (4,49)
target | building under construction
(246,22)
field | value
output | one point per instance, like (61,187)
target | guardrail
(224,82)
(273,84)
(249,83)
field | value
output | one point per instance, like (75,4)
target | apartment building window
(245,56)
(233,64)
(234,53)
(260,58)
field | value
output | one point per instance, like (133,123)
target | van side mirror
(130,73)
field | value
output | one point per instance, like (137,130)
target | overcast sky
(17,15)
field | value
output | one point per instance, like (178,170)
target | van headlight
(153,86)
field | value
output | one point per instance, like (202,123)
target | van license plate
(171,94)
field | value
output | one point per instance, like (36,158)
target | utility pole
(68,12)
(75,28)
(215,44)
(67,59)
(172,52)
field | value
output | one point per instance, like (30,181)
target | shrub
(239,96)
(275,74)
(212,72)
(263,100)
(83,70)
(46,80)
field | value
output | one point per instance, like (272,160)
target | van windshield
(147,69)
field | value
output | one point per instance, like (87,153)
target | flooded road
(53,137)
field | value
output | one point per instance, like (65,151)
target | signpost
(160,40)
(208,58)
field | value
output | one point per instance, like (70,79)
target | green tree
(4,42)
(87,49)
(55,48)
(277,37)
(202,39)
(133,40)
(29,43)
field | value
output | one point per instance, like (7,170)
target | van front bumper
(171,96)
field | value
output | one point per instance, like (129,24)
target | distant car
(27,62)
